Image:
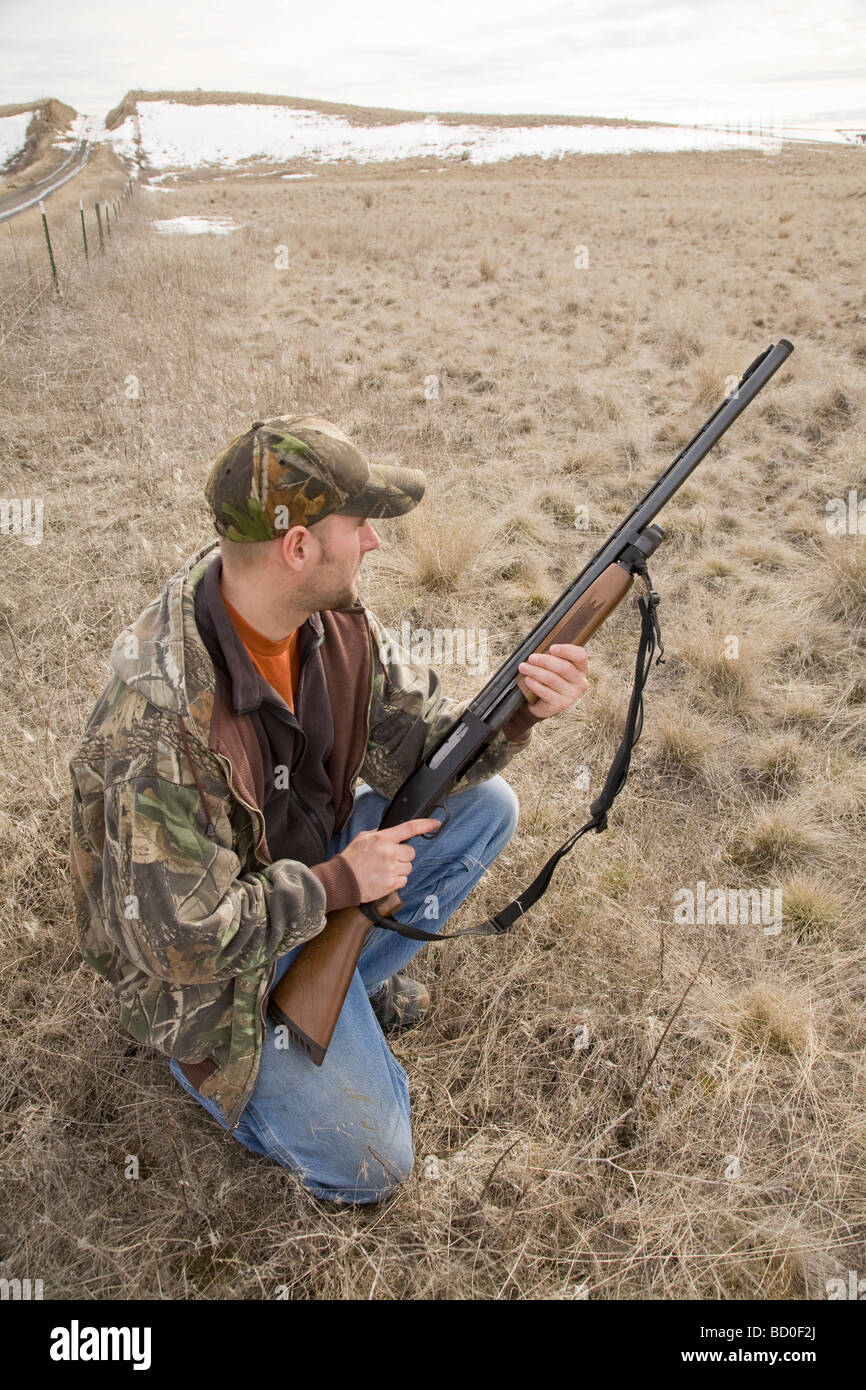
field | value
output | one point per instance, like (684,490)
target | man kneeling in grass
(227,791)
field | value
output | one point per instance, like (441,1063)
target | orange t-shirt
(277,661)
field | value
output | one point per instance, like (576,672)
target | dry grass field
(739,1172)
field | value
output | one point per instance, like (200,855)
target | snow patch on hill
(171,135)
(13,135)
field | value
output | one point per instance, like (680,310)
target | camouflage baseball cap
(294,472)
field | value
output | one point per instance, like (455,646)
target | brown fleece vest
(300,780)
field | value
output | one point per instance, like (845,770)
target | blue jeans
(344,1128)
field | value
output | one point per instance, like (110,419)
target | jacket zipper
(364,745)
(257,815)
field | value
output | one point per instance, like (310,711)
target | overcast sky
(795,61)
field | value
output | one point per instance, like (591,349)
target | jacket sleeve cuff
(339,882)
(518,728)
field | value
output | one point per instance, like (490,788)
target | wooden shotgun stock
(309,997)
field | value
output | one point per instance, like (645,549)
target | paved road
(21,198)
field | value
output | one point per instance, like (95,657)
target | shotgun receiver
(309,997)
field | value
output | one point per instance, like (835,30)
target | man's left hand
(558,677)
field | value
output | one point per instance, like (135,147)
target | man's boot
(399,1003)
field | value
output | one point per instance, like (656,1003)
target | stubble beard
(337,594)
(346,599)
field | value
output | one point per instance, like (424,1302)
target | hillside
(200,132)
(39,151)
(358,115)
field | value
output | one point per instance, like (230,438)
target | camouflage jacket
(186,919)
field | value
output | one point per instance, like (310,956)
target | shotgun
(309,997)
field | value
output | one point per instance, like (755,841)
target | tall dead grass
(740,1171)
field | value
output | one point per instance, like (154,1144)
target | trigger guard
(431,834)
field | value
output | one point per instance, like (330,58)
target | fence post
(99,225)
(50,252)
(83,228)
(14,246)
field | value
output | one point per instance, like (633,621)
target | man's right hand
(379,859)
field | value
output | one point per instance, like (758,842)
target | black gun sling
(649,647)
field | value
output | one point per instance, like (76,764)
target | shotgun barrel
(308,998)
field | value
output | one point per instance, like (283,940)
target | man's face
(344,542)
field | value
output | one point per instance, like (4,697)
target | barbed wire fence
(45,281)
